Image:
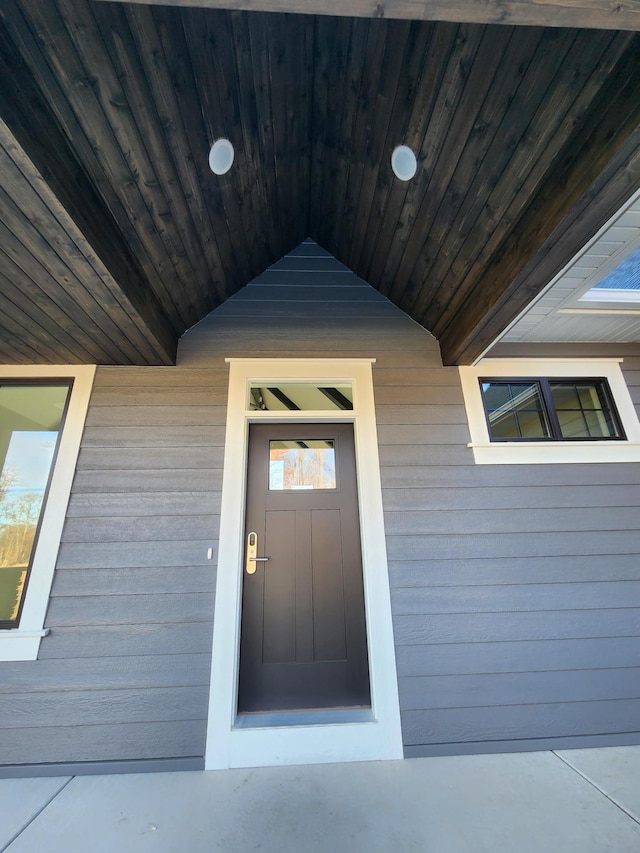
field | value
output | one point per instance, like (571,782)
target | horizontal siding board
(511,545)
(112,505)
(313,292)
(75,555)
(114,395)
(458,725)
(445,401)
(452,659)
(422,415)
(476,571)
(147,581)
(91,707)
(153,436)
(514,627)
(101,458)
(425,455)
(129,609)
(98,641)
(170,528)
(511,497)
(156,416)
(162,377)
(135,481)
(202,353)
(306,279)
(425,433)
(523,521)
(359,311)
(404,475)
(516,598)
(517,688)
(129,741)
(427,377)
(133,672)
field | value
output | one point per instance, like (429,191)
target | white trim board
(23,643)
(379,737)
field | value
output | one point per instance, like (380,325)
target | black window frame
(549,409)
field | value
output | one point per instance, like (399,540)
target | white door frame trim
(379,738)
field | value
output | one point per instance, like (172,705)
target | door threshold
(323,717)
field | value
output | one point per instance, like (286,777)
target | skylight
(622,284)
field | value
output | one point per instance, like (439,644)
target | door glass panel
(302,464)
(302,396)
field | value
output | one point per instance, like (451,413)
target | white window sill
(20,645)
(536,453)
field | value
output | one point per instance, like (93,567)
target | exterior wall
(516,589)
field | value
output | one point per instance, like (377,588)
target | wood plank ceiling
(115,237)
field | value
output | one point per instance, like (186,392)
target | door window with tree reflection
(31,419)
(308,464)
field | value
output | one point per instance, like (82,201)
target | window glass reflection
(302,464)
(30,419)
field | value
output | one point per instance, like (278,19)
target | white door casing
(378,737)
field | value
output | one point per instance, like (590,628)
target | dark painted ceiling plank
(29,324)
(146,125)
(559,128)
(378,151)
(595,14)
(436,45)
(42,236)
(619,181)
(510,122)
(39,132)
(204,38)
(482,213)
(165,90)
(373,63)
(260,49)
(399,110)
(432,158)
(21,103)
(264,251)
(71,304)
(435,207)
(97,95)
(342,70)
(284,99)
(237,186)
(189,116)
(613,119)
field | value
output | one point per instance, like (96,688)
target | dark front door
(303,642)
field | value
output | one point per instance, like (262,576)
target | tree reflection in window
(30,421)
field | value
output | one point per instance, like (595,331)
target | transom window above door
(301,396)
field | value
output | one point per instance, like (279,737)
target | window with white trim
(524,411)
(42,414)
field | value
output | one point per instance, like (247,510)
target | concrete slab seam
(597,787)
(36,815)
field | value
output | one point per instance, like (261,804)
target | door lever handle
(252,550)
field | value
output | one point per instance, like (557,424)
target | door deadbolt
(252,551)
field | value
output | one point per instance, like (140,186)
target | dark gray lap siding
(516,593)
(515,589)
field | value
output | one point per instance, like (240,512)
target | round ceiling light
(221,157)
(404,163)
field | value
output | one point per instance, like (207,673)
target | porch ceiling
(115,237)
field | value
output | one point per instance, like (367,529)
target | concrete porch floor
(574,801)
